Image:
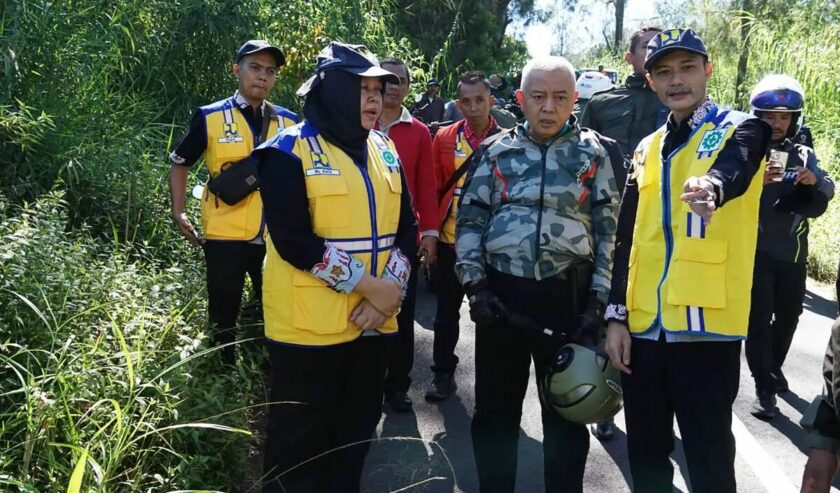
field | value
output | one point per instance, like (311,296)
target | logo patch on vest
(320,166)
(391,161)
(231,134)
(710,142)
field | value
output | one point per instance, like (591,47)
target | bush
(102,359)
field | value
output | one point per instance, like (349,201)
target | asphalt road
(429,449)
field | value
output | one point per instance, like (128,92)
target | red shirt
(414,145)
(475,139)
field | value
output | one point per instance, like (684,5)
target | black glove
(590,322)
(486,309)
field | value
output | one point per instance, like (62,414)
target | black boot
(399,401)
(442,387)
(781,382)
(764,405)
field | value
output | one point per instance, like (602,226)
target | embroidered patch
(321,166)
(390,159)
(711,140)
(231,134)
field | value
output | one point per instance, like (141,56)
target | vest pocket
(317,308)
(328,201)
(220,220)
(229,152)
(697,274)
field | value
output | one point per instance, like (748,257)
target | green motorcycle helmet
(583,386)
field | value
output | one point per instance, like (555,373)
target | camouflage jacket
(563,193)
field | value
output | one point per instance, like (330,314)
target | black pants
(503,357)
(227,263)
(401,356)
(338,390)
(697,382)
(450,295)
(777,294)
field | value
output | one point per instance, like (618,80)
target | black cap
(432,82)
(256,45)
(356,59)
(673,40)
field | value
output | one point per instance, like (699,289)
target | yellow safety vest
(688,276)
(354,209)
(462,152)
(229,139)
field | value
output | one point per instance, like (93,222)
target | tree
(453,34)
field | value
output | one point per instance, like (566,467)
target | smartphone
(777,164)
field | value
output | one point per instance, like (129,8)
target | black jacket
(785,207)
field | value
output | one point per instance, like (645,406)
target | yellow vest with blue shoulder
(229,139)
(463,151)
(688,276)
(355,209)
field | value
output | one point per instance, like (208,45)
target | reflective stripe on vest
(229,139)
(355,209)
(689,276)
(463,151)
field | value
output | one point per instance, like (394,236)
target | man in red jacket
(414,146)
(452,146)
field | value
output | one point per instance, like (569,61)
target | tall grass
(805,44)
(102,364)
(105,384)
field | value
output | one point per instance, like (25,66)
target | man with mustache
(414,145)
(231,235)
(680,296)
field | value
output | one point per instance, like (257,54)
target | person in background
(231,235)
(452,149)
(630,112)
(414,145)
(429,107)
(795,189)
(339,218)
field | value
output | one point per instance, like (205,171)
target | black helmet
(583,386)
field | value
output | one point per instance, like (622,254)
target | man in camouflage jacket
(535,234)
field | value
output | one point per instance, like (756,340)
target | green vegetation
(105,376)
(801,40)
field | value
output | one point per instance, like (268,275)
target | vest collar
(698,116)
(241,103)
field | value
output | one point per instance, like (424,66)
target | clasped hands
(382,300)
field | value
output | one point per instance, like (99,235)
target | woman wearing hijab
(338,221)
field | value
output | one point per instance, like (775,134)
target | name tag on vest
(322,171)
(230,139)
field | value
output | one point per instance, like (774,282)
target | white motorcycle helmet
(591,82)
(779,92)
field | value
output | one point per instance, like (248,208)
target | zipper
(544,150)
(666,212)
(374,234)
